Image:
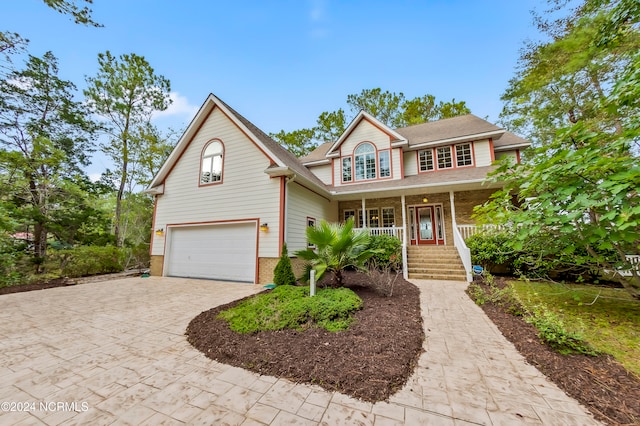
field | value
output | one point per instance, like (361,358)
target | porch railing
(394,231)
(468,230)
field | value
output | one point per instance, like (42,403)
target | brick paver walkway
(115,353)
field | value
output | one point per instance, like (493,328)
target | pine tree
(283,273)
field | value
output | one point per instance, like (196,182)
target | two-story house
(229,196)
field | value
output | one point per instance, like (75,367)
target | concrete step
(423,269)
(446,277)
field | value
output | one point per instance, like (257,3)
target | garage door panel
(223,252)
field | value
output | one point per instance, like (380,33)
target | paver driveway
(115,353)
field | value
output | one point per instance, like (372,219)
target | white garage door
(221,252)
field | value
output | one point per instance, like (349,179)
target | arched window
(365,159)
(211,169)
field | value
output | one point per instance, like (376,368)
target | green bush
(10,271)
(86,260)
(540,256)
(387,252)
(552,331)
(283,272)
(291,307)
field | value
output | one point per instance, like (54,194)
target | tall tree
(45,137)
(389,107)
(385,106)
(80,14)
(577,94)
(125,92)
(298,142)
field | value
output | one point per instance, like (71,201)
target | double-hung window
(346,169)
(463,155)
(444,157)
(425,158)
(385,164)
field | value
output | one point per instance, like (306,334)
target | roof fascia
(472,137)
(363,115)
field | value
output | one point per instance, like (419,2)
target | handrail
(463,252)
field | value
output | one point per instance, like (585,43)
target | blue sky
(282,63)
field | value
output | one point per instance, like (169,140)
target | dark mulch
(58,282)
(370,361)
(600,383)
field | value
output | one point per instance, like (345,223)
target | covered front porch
(427,219)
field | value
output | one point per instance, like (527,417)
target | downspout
(405,270)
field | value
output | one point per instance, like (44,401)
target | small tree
(283,273)
(337,248)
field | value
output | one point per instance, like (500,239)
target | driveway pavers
(115,353)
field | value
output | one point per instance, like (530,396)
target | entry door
(426,225)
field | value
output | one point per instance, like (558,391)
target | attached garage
(225,252)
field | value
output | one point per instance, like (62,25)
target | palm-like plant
(338,246)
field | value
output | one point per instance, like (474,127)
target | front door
(427,225)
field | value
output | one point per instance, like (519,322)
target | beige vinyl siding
(396,161)
(301,204)
(482,150)
(365,131)
(410,163)
(511,154)
(322,172)
(246,192)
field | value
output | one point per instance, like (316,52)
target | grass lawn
(610,323)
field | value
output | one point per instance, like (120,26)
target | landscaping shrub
(291,307)
(86,260)
(540,256)
(387,252)
(552,331)
(10,269)
(283,272)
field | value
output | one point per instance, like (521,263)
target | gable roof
(319,154)
(455,129)
(510,141)
(283,162)
(363,115)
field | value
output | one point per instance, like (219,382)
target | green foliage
(387,252)
(338,247)
(553,331)
(85,260)
(491,249)
(290,307)
(608,318)
(298,142)
(45,139)
(391,108)
(124,93)
(81,15)
(283,272)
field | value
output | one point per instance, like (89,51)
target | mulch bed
(371,361)
(600,383)
(58,282)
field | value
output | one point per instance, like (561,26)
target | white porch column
(453,213)
(364,214)
(405,271)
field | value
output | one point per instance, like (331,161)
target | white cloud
(179,107)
